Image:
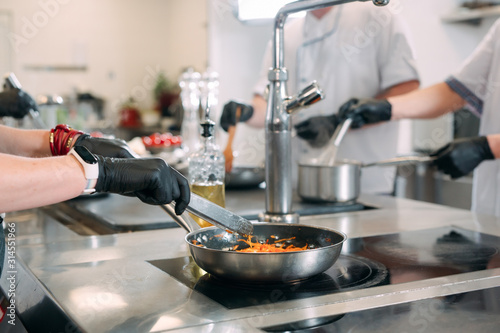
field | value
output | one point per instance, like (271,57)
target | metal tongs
(215,214)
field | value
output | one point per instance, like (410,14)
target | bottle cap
(207,127)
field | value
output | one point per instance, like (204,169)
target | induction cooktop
(365,262)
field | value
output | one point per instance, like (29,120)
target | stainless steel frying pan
(215,255)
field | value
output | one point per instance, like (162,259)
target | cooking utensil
(216,215)
(245,176)
(403,160)
(228,152)
(214,253)
(329,155)
(11,82)
(341,182)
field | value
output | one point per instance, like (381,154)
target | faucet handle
(307,96)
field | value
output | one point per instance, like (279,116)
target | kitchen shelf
(471,16)
(53,68)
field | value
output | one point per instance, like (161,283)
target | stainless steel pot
(214,252)
(341,182)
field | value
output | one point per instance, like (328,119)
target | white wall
(235,50)
(123,43)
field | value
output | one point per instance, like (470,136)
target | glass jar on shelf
(190,97)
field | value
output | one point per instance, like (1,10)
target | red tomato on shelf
(161,140)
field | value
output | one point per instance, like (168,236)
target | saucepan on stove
(213,250)
(341,181)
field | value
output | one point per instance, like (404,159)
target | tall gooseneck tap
(278,117)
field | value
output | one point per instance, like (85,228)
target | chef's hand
(458,158)
(16,103)
(105,147)
(365,111)
(317,131)
(150,179)
(228,117)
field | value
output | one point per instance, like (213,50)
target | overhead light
(261,10)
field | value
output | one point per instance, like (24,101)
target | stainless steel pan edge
(265,267)
(215,255)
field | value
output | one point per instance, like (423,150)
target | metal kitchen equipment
(377,261)
(212,250)
(278,118)
(416,242)
(213,213)
(11,82)
(329,155)
(341,182)
(245,176)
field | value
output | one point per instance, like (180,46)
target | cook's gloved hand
(228,117)
(458,158)
(16,103)
(317,131)
(365,111)
(150,179)
(105,147)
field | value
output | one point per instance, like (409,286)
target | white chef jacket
(478,82)
(355,50)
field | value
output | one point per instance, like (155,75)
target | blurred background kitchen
(115,65)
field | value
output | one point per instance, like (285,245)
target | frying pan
(245,176)
(215,255)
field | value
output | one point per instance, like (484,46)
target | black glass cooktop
(366,262)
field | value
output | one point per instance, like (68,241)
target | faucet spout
(308,96)
(278,120)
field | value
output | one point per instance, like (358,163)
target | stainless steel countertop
(104,284)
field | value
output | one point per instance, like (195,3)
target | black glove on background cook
(317,131)
(228,117)
(150,179)
(458,158)
(105,147)
(16,103)
(365,111)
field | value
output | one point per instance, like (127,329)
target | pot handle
(403,160)
(184,220)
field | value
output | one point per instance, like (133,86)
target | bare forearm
(426,103)
(399,89)
(34,143)
(33,182)
(494,143)
(258,118)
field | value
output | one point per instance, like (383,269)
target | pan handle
(183,220)
(403,160)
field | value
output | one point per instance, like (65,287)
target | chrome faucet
(278,117)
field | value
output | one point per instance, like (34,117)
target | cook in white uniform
(475,85)
(350,50)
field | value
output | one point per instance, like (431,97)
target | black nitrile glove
(365,111)
(150,179)
(317,131)
(458,158)
(105,147)
(16,103)
(228,117)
